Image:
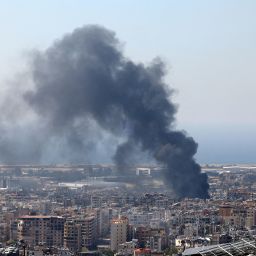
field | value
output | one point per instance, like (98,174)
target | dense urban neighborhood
(89,210)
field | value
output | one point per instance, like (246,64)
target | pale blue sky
(209,46)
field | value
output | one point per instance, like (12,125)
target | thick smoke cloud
(84,87)
(83,100)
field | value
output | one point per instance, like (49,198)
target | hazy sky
(209,47)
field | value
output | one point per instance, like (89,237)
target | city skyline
(127,128)
(209,49)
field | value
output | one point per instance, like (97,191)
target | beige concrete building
(88,231)
(46,230)
(80,232)
(72,236)
(119,231)
(241,216)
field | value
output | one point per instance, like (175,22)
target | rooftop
(240,248)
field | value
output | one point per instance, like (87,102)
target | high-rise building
(119,232)
(46,230)
(72,236)
(80,232)
(88,231)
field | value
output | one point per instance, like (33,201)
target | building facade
(37,230)
(118,233)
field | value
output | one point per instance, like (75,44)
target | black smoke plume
(83,80)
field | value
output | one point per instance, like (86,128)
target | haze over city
(208,48)
(127,128)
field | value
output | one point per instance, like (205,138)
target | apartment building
(80,232)
(119,232)
(46,230)
(72,236)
